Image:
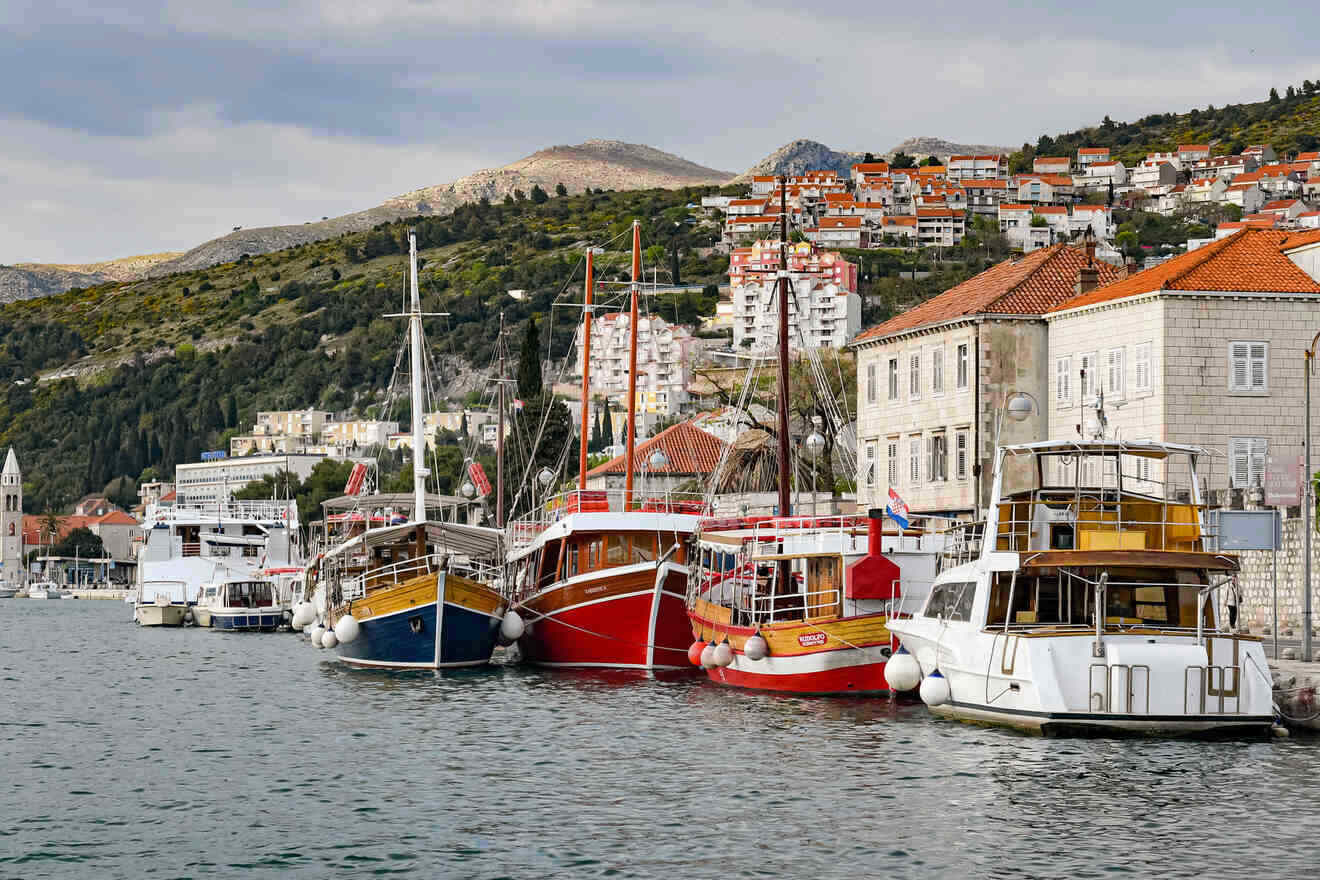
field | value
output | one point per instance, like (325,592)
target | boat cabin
(387,557)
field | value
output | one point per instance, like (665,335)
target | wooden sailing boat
(798,603)
(602,581)
(414,595)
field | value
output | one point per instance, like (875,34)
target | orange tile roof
(1186,147)
(1052,159)
(1276,170)
(1248,260)
(1031,285)
(1084,208)
(115,518)
(1050,209)
(1308,156)
(992,183)
(1301,239)
(841,223)
(1093,151)
(1279,205)
(935,212)
(1006,206)
(689,449)
(900,221)
(871,167)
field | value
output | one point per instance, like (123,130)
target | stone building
(11,521)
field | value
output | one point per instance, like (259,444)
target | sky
(143,126)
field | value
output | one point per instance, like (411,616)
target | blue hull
(406,639)
(255,621)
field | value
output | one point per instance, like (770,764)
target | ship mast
(781,426)
(632,367)
(586,368)
(420,471)
(499,434)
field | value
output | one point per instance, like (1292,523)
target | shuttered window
(1248,366)
(960,443)
(1141,367)
(963,366)
(893,378)
(870,383)
(914,376)
(893,462)
(1063,381)
(870,464)
(1114,372)
(914,460)
(937,371)
(1086,385)
(1246,461)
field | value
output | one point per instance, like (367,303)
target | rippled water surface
(134,752)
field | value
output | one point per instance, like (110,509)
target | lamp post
(814,444)
(658,461)
(1019,405)
(1308,504)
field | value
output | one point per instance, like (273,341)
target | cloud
(150,124)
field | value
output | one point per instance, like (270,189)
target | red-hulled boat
(598,579)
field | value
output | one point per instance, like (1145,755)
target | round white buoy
(314,635)
(756,647)
(935,689)
(347,629)
(902,670)
(188,617)
(512,627)
(303,615)
(708,655)
(723,655)
(328,639)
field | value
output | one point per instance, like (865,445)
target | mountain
(803,155)
(28,280)
(596,164)
(1290,123)
(796,157)
(921,147)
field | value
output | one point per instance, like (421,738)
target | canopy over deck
(1145,448)
(476,541)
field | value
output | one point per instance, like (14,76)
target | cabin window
(571,561)
(616,550)
(951,601)
(643,548)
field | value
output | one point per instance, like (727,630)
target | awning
(466,540)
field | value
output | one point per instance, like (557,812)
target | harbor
(138,752)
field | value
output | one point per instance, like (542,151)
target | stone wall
(1257,610)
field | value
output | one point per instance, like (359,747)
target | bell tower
(11,520)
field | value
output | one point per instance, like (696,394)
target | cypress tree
(231,414)
(529,363)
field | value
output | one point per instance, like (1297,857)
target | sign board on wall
(1283,479)
(1248,530)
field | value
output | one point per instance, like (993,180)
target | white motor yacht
(1087,601)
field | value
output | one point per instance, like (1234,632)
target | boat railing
(792,606)
(191,548)
(524,530)
(777,536)
(1211,692)
(257,511)
(962,544)
(1099,521)
(407,569)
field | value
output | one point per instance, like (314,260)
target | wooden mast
(782,413)
(499,434)
(586,368)
(631,440)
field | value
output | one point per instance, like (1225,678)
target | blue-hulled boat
(242,605)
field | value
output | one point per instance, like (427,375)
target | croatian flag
(897,509)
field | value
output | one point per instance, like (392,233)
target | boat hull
(247,620)
(201,616)
(160,615)
(7,593)
(1102,724)
(838,656)
(399,627)
(632,617)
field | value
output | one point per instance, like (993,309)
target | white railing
(256,511)
(524,530)
(806,535)
(405,570)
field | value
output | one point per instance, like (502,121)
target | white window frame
(914,460)
(964,366)
(1063,381)
(1142,361)
(870,383)
(914,375)
(1250,362)
(892,471)
(1246,461)
(893,378)
(962,447)
(1086,381)
(937,370)
(1115,372)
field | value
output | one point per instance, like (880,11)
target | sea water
(140,753)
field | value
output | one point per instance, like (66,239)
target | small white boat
(7,592)
(43,590)
(241,604)
(167,606)
(201,610)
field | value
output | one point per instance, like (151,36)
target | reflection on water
(141,753)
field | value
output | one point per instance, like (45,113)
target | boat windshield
(249,594)
(1134,597)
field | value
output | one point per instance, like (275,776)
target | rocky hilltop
(28,280)
(921,147)
(599,164)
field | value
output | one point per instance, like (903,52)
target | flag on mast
(897,509)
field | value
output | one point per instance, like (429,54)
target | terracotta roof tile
(690,450)
(1092,151)
(1029,286)
(1248,260)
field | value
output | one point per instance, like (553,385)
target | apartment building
(940,227)
(1089,155)
(1206,349)
(985,196)
(826,311)
(932,381)
(662,361)
(1051,165)
(976,167)
(207,483)
(1102,174)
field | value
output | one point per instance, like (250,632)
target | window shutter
(1238,455)
(1239,355)
(1256,467)
(1258,366)
(961,461)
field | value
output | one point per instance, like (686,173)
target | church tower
(11,520)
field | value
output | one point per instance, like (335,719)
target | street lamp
(1019,405)
(468,489)
(814,445)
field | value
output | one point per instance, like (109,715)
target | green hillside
(1289,121)
(109,381)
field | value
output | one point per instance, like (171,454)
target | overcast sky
(143,125)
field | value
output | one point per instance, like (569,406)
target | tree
(1128,242)
(539,196)
(1291,93)
(231,412)
(930,161)
(1108,124)
(902,160)
(80,542)
(529,363)
(1274,96)
(561,190)
(519,195)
